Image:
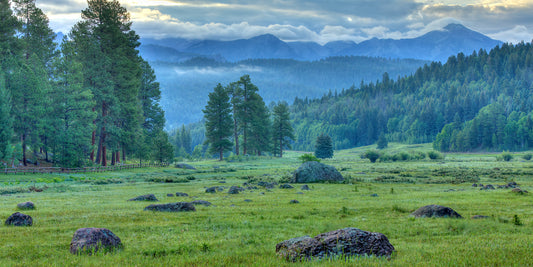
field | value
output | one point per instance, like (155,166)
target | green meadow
(375,197)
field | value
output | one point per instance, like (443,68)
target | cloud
(515,35)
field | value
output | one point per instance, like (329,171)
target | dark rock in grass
(170,195)
(19,219)
(294,201)
(344,242)
(235,189)
(304,187)
(262,193)
(374,195)
(149,197)
(512,185)
(26,205)
(477,217)
(266,185)
(487,187)
(519,191)
(93,240)
(221,182)
(252,188)
(299,193)
(179,194)
(172,207)
(201,202)
(247,200)
(313,172)
(214,189)
(286,186)
(185,166)
(474,185)
(435,211)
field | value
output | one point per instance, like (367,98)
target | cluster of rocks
(512,185)
(21,219)
(172,207)
(346,242)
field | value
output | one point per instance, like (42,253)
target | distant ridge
(435,45)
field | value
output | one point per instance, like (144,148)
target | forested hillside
(477,102)
(90,100)
(185,86)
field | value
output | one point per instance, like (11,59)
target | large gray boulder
(172,207)
(435,211)
(92,240)
(314,172)
(344,242)
(26,205)
(149,197)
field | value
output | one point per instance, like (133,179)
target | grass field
(234,232)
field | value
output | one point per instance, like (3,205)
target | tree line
(237,119)
(89,100)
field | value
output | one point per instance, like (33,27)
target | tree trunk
(24,149)
(123,154)
(236,133)
(113,159)
(93,140)
(118,156)
(221,155)
(104,157)
(245,140)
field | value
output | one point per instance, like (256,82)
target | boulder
(170,195)
(26,205)
(435,211)
(267,185)
(19,219)
(92,240)
(172,207)
(184,166)
(235,189)
(286,186)
(344,242)
(214,189)
(305,187)
(294,201)
(519,191)
(179,194)
(487,187)
(149,197)
(201,202)
(313,172)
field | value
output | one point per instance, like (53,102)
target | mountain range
(436,45)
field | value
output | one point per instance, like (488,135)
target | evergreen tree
(72,111)
(282,128)
(382,141)
(245,90)
(323,147)
(236,101)
(162,149)
(6,121)
(9,44)
(260,126)
(186,140)
(218,122)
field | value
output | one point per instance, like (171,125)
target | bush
(372,155)
(308,157)
(527,156)
(434,155)
(507,156)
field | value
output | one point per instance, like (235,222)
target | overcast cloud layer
(309,20)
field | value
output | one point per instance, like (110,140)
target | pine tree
(72,111)
(6,121)
(218,122)
(236,101)
(9,44)
(282,129)
(382,141)
(260,126)
(323,147)
(245,108)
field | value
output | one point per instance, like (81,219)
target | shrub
(507,156)
(308,157)
(527,156)
(372,155)
(434,155)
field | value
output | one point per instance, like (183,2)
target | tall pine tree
(218,122)
(282,131)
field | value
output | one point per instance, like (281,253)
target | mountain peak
(455,27)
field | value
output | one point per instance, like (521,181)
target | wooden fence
(30,170)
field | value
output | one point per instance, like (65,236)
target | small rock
(247,200)
(474,185)
(299,193)
(214,189)
(512,185)
(235,190)
(304,187)
(201,202)
(19,219)
(435,211)
(286,186)
(170,195)
(475,217)
(172,207)
(519,191)
(262,193)
(487,187)
(374,195)
(92,240)
(294,201)
(221,182)
(26,205)
(179,194)
(149,197)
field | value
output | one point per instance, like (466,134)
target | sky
(318,21)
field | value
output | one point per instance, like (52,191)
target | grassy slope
(246,233)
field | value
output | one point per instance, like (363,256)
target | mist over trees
(90,100)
